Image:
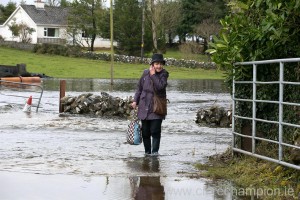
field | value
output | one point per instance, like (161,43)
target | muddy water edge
(46,155)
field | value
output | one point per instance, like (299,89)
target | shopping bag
(134,133)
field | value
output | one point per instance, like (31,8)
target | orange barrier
(34,79)
(18,82)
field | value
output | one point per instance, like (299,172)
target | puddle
(45,156)
(52,187)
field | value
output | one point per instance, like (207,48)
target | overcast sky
(31,2)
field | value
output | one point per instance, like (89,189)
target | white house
(49,24)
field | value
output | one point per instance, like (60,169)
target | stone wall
(215,116)
(17,45)
(103,105)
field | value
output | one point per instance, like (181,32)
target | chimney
(39,4)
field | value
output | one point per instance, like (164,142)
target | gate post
(62,93)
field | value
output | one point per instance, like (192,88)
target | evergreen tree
(189,18)
(104,23)
(128,27)
(261,30)
(64,3)
(2,18)
(6,11)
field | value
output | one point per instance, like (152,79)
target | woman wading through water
(154,78)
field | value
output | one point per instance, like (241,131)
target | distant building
(49,24)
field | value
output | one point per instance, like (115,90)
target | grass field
(67,67)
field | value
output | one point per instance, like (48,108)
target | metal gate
(254,138)
(7,88)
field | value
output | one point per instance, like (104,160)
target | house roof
(49,15)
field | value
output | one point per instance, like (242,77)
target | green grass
(249,172)
(67,67)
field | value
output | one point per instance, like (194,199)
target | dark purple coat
(144,93)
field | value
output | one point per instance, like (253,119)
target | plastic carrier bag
(134,131)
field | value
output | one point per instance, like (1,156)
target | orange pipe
(12,79)
(34,79)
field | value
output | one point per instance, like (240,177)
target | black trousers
(151,128)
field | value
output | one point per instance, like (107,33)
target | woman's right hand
(133,105)
(151,70)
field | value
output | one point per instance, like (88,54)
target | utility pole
(143,28)
(111,43)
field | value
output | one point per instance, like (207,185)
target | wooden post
(62,93)
(111,43)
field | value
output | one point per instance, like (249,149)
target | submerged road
(46,156)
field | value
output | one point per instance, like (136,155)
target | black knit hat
(158,58)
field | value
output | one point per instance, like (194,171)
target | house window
(51,32)
(84,34)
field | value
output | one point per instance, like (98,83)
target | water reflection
(150,188)
(146,187)
(91,85)
(151,164)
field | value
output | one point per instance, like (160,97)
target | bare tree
(164,16)
(171,18)
(206,29)
(79,37)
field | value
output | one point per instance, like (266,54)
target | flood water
(45,155)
